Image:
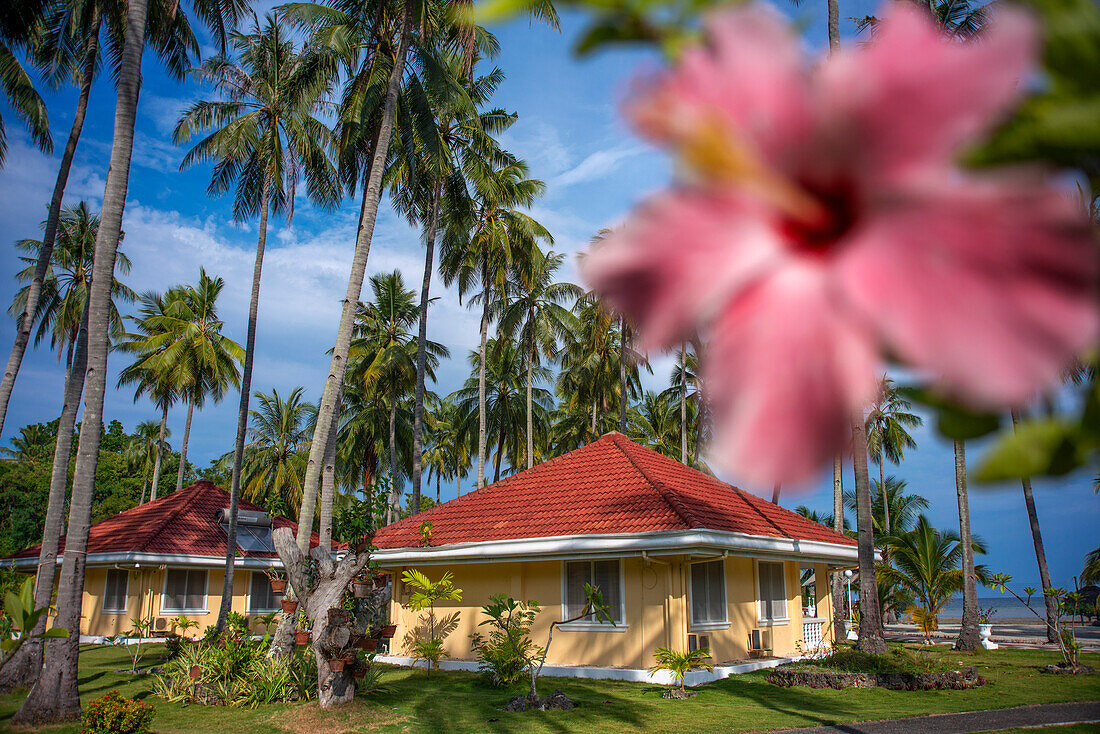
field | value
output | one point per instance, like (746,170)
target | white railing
(812,636)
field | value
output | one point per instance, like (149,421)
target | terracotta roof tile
(181,523)
(612,485)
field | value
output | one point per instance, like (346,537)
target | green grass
(450,702)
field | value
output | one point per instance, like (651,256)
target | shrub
(681,663)
(505,653)
(113,714)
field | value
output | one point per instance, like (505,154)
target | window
(708,593)
(114,592)
(809,591)
(261,599)
(184,591)
(773,592)
(604,575)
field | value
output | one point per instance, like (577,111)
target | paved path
(972,721)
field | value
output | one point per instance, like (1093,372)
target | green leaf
(1037,447)
(56,632)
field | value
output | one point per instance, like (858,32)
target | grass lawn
(460,702)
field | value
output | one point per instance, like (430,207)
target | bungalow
(683,561)
(166,558)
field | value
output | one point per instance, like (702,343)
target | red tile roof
(181,523)
(612,485)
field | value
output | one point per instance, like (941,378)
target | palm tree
(655,423)
(535,317)
(275,456)
(870,610)
(351,28)
(1040,551)
(147,343)
(927,570)
(968,628)
(32,446)
(903,508)
(265,134)
(887,434)
(450,449)
(455,149)
(204,360)
(684,391)
(839,610)
(18,19)
(504,401)
(66,43)
(142,451)
(55,695)
(482,244)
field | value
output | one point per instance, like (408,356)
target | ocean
(1007,607)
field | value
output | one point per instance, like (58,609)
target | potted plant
(985,627)
(290,606)
(389,630)
(380,581)
(301,629)
(368,644)
(277,579)
(361,586)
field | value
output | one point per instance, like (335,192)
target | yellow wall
(144,594)
(656,609)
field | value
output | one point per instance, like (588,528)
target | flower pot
(359,673)
(278,586)
(196,672)
(336,665)
(361,589)
(301,638)
(368,644)
(290,606)
(379,582)
(985,631)
(389,631)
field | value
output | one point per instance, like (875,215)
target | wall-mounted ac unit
(760,642)
(698,642)
(161,624)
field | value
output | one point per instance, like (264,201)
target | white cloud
(595,166)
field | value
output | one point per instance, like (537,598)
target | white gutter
(621,544)
(157,559)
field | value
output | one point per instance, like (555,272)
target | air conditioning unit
(698,642)
(161,624)
(760,642)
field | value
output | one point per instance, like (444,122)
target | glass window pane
(260,596)
(577,574)
(114,593)
(606,574)
(716,591)
(175,589)
(698,593)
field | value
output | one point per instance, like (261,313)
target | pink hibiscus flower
(823,227)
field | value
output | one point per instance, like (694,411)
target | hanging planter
(359,673)
(290,606)
(368,644)
(379,582)
(301,638)
(278,586)
(361,588)
(336,665)
(389,631)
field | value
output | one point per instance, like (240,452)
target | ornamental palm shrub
(681,663)
(424,594)
(504,653)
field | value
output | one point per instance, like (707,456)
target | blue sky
(570,133)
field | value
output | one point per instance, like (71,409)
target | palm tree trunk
(160,451)
(422,345)
(968,630)
(684,405)
(242,409)
(49,237)
(55,695)
(530,405)
(593,431)
(622,375)
(840,611)
(328,480)
(834,26)
(22,670)
(497,457)
(776,489)
(481,386)
(882,490)
(372,196)
(870,619)
(437,488)
(392,509)
(1040,551)
(183,444)
(700,407)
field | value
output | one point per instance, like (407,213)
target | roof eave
(133,558)
(677,542)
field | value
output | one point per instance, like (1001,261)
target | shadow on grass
(797,703)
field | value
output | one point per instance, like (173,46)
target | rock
(678,694)
(1063,669)
(556,701)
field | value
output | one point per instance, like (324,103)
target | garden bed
(793,675)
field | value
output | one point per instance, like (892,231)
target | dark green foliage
(504,654)
(896,660)
(113,714)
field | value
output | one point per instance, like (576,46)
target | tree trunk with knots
(332,629)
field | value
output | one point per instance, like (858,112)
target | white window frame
(724,623)
(583,625)
(125,595)
(760,596)
(186,612)
(252,610)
